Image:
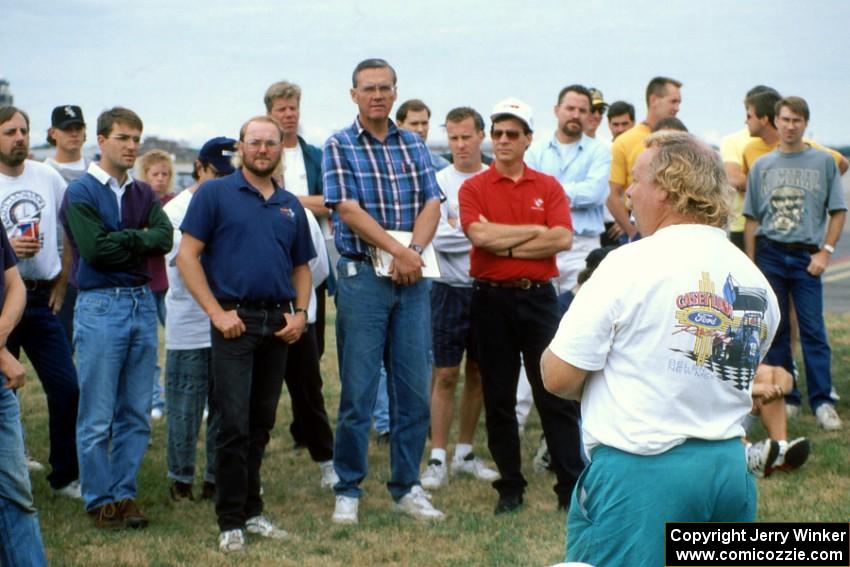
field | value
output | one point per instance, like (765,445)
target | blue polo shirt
(250,244)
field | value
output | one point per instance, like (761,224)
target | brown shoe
(130,513)
(107,517)
(208,491)
(181,491)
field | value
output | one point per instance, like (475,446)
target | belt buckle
(525,283)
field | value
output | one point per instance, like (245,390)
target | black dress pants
(510,323)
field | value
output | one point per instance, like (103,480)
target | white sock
(326,464)
(462,450)
(438,455)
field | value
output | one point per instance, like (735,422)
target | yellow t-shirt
(758,148)
(621,153)
(732,146)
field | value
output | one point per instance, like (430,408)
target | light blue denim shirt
(583,175)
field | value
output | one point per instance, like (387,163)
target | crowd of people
(710,264)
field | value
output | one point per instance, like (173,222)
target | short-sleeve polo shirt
(250,244)
(535,198)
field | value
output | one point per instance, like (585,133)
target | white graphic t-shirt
(672,328)
(36,196)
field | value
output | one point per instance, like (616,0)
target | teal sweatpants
(622,500)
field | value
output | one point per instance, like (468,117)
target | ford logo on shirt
(704,319)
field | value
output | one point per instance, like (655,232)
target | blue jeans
(785,269)
(188,387)
(41,335)
(20,536)
(381,408)
(115,340)
(156,398)
(377,323)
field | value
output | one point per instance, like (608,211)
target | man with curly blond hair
(663,367)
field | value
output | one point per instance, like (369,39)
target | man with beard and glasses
(30,196)
(256,298)
(114,224)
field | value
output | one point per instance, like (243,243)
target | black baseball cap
(219,152)
(66,116)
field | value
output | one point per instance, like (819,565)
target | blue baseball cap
(219,153)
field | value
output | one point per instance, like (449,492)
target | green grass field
(186,534)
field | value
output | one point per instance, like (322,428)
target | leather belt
(356,256)
(38,285)
(794,245)
(522,283)
(264,305)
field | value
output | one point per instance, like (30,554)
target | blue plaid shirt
(391,180)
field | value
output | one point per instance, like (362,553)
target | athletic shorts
(622,500)
(451,325)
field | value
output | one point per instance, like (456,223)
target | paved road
(836,293)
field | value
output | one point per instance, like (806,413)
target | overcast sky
(194,69)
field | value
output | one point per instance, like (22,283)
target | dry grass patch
(185,534)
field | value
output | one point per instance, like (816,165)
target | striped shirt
(391,180)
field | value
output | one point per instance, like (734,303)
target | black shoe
(181,491)
(383,438)
(508,503)
(208,491)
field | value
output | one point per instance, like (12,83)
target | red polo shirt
(536,198)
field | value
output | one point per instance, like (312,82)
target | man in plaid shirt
(378,177)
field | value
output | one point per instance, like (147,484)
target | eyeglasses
(257,144)
(124,138)
(512,135)
(384,90)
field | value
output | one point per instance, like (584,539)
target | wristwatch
(416,248)
(829,248)
(300,310)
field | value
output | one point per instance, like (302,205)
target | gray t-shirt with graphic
(791,195)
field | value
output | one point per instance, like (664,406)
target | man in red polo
(517,220)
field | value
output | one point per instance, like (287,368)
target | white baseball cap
(516,108)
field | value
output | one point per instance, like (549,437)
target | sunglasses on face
(512,135)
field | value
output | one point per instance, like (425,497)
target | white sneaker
(156,414)
(231,540)
(474,466)
(761,455)
(435,475)
(329,476)
(71,490)
(834,395)
(417,504)
(33,465)
(793,456)
(345,511)
(261,525)
(827,417)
